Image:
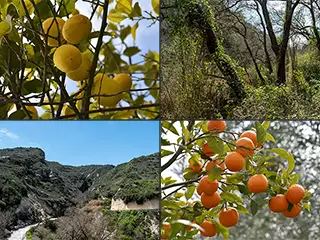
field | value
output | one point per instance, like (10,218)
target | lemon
(67,110)
(76,28)
(124,80)
(67,58)
(83,71)
(75,12)
(105,85)
(52,29)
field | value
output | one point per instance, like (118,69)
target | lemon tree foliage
(228,174)
(45,44)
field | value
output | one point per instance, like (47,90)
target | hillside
(32,188)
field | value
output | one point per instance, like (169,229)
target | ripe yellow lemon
(83,71)
(124,81)
(75,12)
(76,28)
(105,85)
(52,29)
(67,58)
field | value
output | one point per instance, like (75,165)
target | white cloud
(5,132)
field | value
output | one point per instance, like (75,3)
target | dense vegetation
(32,188)
(240,59)
(126,225)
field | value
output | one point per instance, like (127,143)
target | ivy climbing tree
(229,173)
(33,85)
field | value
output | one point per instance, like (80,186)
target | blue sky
(83,142)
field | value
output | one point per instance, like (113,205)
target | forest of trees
(240,59)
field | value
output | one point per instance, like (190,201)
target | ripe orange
(210,201)
(211,164)
(278,203)
(295,193)
(207,150)
(208,187)
(228,217)
(295,211)
(195,168)
(167,229)
(257,183)
(245,146)
(250,134)
(234,161)
(209,227)
(199,189)
(216,126)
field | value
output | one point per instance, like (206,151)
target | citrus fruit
(53,28)
(199,189)
(209,229)
(105,85)
(124,80)
(251,135)
(234,161)
(167,230)
(245,146)
(76,28)
(228,217)
(75,12)
(67,58)
(217,163)
(295,211)
(278,203)
(207,150)
(216,126)
(210,201)
(208,187)
(257,183)
(295,193)
(83,71)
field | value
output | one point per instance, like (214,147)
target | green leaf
(130,51)
(231,197)
(294,178)
(156,6)
(223,230)
(270,137)
(186,133)
(44,8)
(17,115)
(67,7)
(190,191)
(115,16)
(170,127)
(33,86)
(215,144)
(165,153)
(134,30)
(266,124)
(285,155)
(253,207)
(125,32)
(214,173)
(261,132)
(178,195)
(124,6)
(307,206)
(137,12)
(242,209)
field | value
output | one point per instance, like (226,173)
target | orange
(295,193)
(199,189)
(208,187)
(210,201)
(257,183)
(216,126)
(278,203)
(167,229)
(211,164)
(207,150)
(245,146)
(228,217)
(209,227)
(251,135)
(234,161)
(295,211)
